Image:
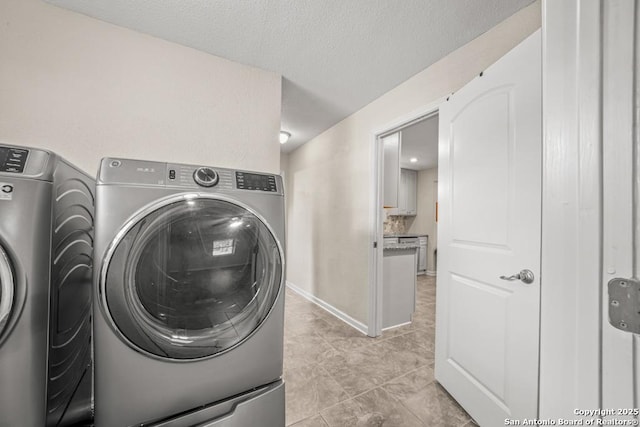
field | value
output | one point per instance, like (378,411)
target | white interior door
(487,328)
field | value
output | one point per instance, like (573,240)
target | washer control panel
(175,175)
(205,177)
(13,159)
(256,181)
(199,176)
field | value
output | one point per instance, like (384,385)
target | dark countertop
(400,247)
(405,235)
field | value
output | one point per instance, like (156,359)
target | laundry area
(319,214)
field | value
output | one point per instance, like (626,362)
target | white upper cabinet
(409,180)
(407,194)
(391,169)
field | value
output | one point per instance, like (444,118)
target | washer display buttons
(254,181)
(13,159)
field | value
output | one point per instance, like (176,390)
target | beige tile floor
(335,376)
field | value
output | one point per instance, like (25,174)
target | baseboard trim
(431,273)
(395,326)
(357,325)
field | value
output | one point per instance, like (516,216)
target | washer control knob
(205,177)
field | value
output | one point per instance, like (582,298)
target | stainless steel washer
(46,226)
(188,295)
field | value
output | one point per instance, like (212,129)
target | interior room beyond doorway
(419,154)
(408,218)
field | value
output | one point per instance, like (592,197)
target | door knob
(526,276)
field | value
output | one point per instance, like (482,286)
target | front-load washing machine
(189,296)
(46,239)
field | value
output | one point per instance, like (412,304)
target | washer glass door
(7,287)
(192,278)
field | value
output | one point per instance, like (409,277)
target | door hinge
(624,304)
(375,245)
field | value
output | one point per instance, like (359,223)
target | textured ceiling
(335,56)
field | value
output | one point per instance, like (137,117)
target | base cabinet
(399,286)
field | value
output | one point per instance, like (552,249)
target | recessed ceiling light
(284,137)
(413,160)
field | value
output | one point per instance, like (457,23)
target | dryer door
(191,278)
(7,289)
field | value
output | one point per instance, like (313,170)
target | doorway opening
(404,216)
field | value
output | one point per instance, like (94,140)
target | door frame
(570,305)
(376,232)
(620,194)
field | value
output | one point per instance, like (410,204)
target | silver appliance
(422,254)
(46,239)
(189,296)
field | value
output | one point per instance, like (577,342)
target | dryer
(46,226)
(189,296)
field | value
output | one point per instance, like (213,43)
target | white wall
(284,171)
(88,89)
(284,165)
(425,220)
(330,188)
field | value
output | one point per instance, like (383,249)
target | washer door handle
(6,289)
